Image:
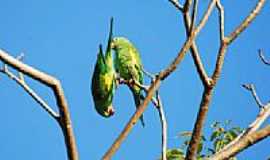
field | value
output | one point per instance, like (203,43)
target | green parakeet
(104,80)
(128,64)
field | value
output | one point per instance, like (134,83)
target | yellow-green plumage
(103,81)
(128,64)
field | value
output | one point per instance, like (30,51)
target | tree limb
(195,53)
(251,88)
(177,4)
(163,122)
(242,144)
(31,92)
(204,106)
(55,85)
(246,22)
(221,20)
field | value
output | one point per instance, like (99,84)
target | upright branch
(221,20)
(207,94)
(163,122)
(64,117)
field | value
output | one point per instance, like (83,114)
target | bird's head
(119,42)
(106,111)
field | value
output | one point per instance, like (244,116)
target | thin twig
(163,126)
(148,74)
(193,15)
(177,4)
(159,106)
(261,55)
(188,42)
(221,20)
(55,85)
(195,54)
(32,93)
(20,58)
(251,88)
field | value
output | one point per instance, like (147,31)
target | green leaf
(175,154)
(218,144)
(214,135)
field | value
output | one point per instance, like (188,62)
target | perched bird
(104,80)
(128,65)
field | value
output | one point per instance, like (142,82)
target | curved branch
(267,62)
(55,85)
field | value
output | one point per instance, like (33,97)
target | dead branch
(195,53)
(242,144)
(163,122)
(221,20)
(177,4)
(251,88)
(246,22)
(31,92)
(267,62)
(55,85)
(207,95)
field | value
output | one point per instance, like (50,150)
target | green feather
(103,81)
(129,66)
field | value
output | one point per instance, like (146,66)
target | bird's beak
(110,111)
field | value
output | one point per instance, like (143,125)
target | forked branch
(156,83)
(64,119)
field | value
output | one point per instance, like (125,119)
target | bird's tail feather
(137,100)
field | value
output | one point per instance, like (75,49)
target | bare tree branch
(207,95)
(251,88)
(267,62)
(198,126)
(55,85)
(195,54)
(187,5)
(246,22)
(242,144)
(188,43)
(219,63)
(177,4)
(193,15)
(31,92)
(221,20)
(163,126)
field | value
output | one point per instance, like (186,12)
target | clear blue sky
(61,38)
